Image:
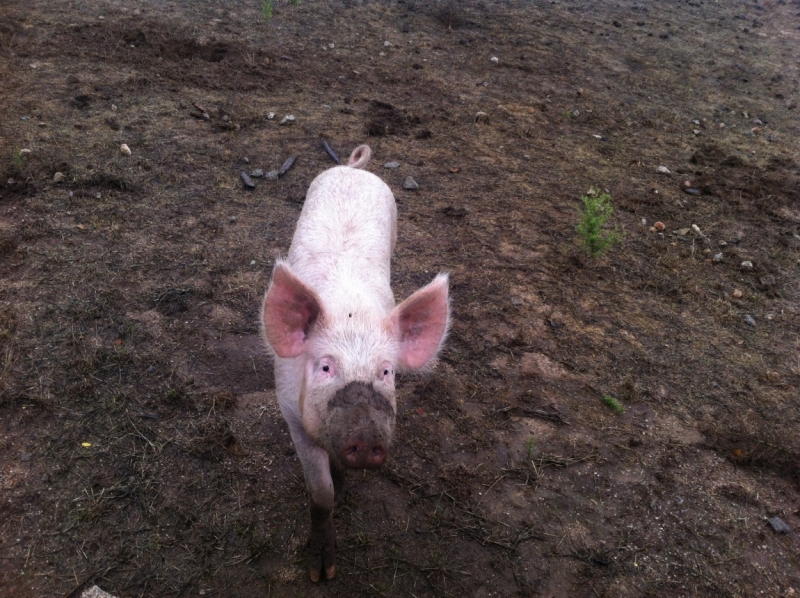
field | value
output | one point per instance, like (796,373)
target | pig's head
(347,395)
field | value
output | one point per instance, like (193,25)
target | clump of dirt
(385,119)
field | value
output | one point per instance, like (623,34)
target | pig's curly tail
(360,157)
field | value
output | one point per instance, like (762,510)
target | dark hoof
(315,574)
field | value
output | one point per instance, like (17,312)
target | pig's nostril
(363,451)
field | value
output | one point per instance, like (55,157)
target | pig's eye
(326,368)
(387,371)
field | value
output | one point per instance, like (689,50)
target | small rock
(232,219)
(481,117)
(246,160)
(152,369)
(272,175)
(329,150)
(25,457)
(410,184)
(252,262)
(681,231)
(779,525)
(25,152)
(652,229)
(124,150)
(98,195)
(723,244)
(737,294)
(717,257)
(749,320)
(248,183)
(257,173)
(392,165)
(495,59)
(692,191)
(286,166)
(95,592)
(663,170)
(387,44)
(659,226)
(58,177)
(270,115)
(747,265)
(287,120)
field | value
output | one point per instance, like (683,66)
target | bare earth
(141,448)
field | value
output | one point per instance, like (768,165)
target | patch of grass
(613,403)
(266,10)
(597,209)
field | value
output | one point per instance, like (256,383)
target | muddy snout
(361,424)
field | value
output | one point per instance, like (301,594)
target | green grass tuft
(613,403)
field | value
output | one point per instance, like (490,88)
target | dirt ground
(141,448)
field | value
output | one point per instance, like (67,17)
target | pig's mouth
(363,421)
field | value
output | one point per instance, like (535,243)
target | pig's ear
(289,313)
(420,323)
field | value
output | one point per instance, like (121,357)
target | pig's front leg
(320,484)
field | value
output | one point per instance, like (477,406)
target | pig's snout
(360,424)
(363,450)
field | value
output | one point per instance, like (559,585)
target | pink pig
(330,318)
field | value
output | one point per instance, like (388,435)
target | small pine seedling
(530,443)
(266,10)
(613,403)
(595,213)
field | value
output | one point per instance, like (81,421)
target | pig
(330,319)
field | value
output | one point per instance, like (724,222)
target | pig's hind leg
(320,484)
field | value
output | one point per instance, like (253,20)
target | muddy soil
(142,449)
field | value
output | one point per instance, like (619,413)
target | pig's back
(345,237)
